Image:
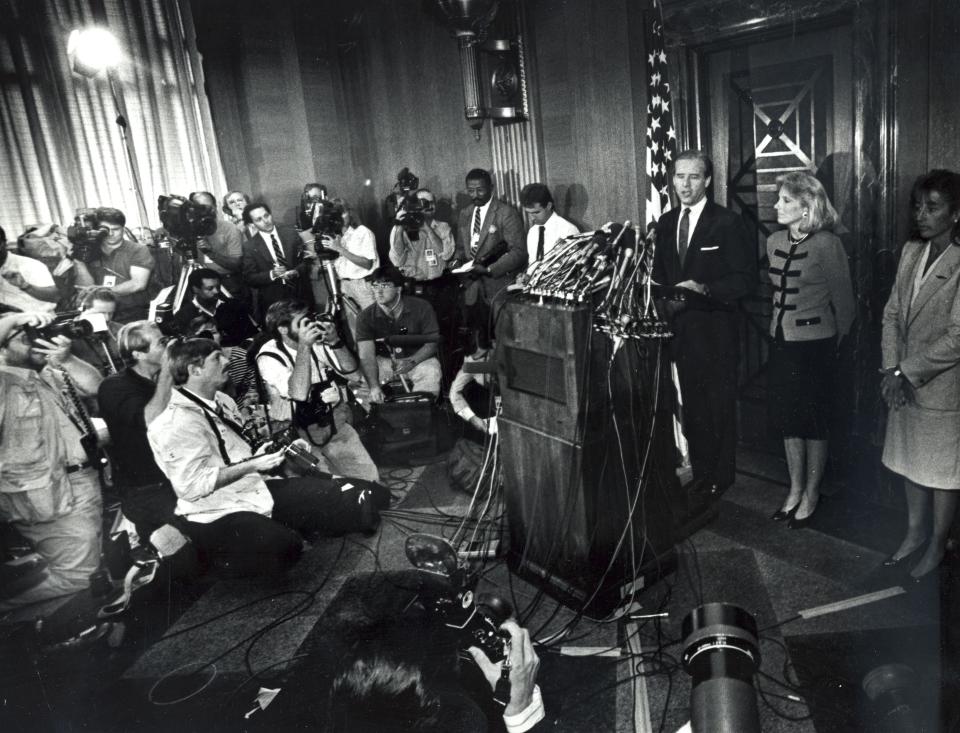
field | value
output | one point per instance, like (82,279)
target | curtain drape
(60,145)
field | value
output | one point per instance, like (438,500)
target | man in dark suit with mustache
(704,248)
(275,261)
(482,228)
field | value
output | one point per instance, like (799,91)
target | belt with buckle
(79,467)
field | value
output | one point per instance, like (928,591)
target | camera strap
(212,416)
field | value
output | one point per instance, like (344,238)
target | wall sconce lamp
(499,72)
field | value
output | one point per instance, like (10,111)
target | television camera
(186,221)
(86,235)
(450,597)
(403,198)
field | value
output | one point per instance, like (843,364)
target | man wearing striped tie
(274,261)
(491,238)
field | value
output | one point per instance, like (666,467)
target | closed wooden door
(774,107)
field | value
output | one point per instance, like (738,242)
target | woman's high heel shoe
(795,523)
(892,562)
(782,515)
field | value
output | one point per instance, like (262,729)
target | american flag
(661,135)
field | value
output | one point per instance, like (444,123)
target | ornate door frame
(693,33)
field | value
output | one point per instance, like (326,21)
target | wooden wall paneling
(555,99)
(639,73)
(911,86)
(586,99)
(405,107)
(324,100)
(944,123)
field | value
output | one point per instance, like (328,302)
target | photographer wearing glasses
(395,314)
(304,369)
(49,487)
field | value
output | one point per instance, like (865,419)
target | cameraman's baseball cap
(386,273)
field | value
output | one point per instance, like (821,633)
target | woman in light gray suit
(921,374)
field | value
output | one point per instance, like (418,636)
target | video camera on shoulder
(414,216)
(328,223)
(86,234)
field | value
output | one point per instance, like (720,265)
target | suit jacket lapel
(936,278)
(484,229)
(265,248)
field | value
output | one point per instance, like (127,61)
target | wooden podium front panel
(576,433)
(550,364)
(546,501)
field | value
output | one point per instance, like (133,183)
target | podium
(587,454)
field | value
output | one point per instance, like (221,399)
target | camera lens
(721,653)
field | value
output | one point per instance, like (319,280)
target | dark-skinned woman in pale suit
(921,373)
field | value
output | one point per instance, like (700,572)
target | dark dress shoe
(780,515)
(795,523)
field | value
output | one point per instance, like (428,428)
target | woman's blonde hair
(810,192)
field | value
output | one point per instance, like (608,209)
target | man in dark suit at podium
(481,230)
(705,249)
(274,262)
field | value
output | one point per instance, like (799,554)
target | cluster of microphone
(611,265)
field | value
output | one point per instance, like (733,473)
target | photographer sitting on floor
(377,693)
(397,315)
(49,487)
(128,403)
(304,368)
(243,522)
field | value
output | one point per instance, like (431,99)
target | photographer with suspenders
(304,367)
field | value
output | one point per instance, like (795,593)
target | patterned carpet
(195,658)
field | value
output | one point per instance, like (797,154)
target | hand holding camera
(265,462)
(520,667)
(333,242)
(310,333)
(56,349)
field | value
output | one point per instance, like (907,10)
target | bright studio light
(92,50)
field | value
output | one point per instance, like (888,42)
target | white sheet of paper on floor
(264,698)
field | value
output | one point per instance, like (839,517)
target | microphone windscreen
(628,240)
